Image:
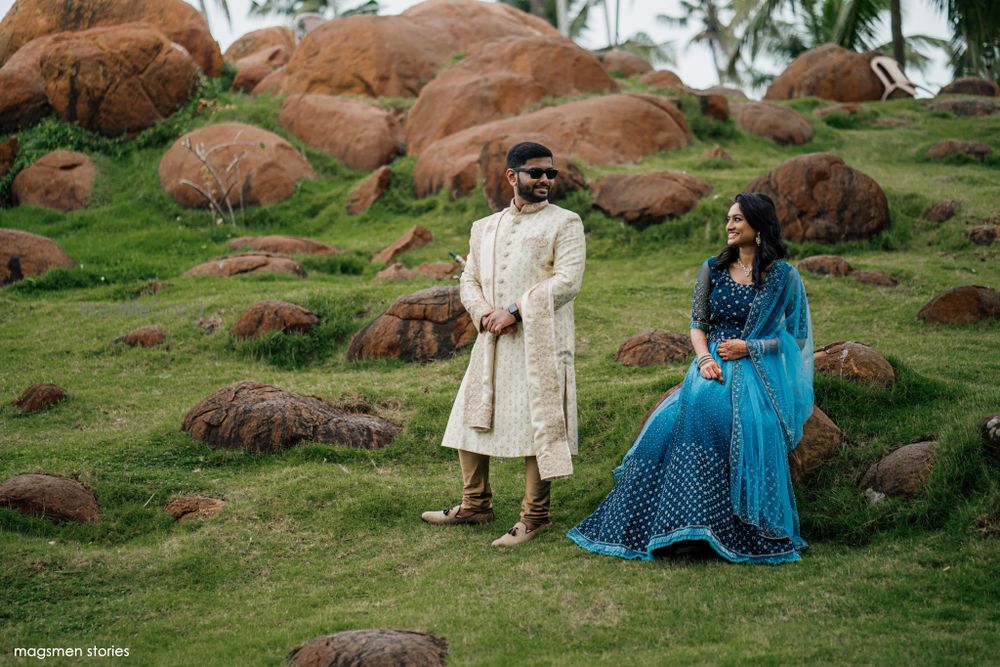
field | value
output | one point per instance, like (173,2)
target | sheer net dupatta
(772,399)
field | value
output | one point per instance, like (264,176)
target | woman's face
(738,231)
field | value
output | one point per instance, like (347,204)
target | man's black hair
(524,151)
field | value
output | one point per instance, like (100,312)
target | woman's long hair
(758,210)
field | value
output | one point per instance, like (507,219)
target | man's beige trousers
(477,495)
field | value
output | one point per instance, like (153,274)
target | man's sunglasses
(536,172)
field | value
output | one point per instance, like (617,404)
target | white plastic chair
(892,77)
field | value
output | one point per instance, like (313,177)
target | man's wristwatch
(512,309)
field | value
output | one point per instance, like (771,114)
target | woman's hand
(710,370)
(732,349)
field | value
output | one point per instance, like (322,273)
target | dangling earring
(758,239)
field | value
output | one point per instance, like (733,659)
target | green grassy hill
(321,538)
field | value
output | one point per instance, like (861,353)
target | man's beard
(527,193)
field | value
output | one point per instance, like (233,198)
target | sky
(694,64)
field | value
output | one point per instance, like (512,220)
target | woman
(711,461)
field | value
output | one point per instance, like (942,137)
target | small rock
(855,361)
(825,265)
(875,278)
(983,234)
(283,245)
(955,146)
(193,507)
(439,270)
(662,79)
(965,107)
(251,262)
(654,346)
(265,316)
(962,305)
(210,324)
(717,152)
(780,124)
(60,180)
(369,190)
(52,496)
(989,429)
(942,211)
(37,397)
(902,472)
(372,648)
(150,335)
(415,237)
(395,273)
(821,440)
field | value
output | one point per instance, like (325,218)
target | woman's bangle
(704,359)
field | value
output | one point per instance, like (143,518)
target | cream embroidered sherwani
(518,396)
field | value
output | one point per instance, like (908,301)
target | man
(518,396)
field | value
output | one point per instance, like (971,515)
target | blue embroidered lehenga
(711,460)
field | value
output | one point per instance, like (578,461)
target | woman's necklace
(747,270)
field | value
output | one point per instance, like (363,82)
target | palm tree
(715,33)
(296,7)
(221,4)
(975,28)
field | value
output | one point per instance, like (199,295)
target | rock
(211,323)
(361,135)
(423,326)
(855,361)
(654,346)
(650,198)
(821,440)
(8,153)
(902,472)
(260,40)
(146,336)
(612,129)
(983,234)
(24,102)
(24,254)
(250,262)
(262,418)
(415,237)
(178,20)
(731,93)
(501,78)
(971,85)
(780,125)
(117,80)
(460,24)
(717,152)
(874,278)
(189,508)
(714,106)
(38,397)
(965,107)
(830,72)
(60,180)
(955,146)
(819,198)
(271,84)
(369,191)
(51,496)
(942,211)
(825,265)
(254,68)
(439,270)
(624,63)
(493,171)
(846,109)
(283,245)
(395,273)
(663,79)
(371,56)
(372,648)
(265,316)
(989,429)
(249,76)
(962,305)
(269,167)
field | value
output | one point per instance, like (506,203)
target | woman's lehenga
(711,461)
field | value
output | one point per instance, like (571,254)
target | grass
(319,538)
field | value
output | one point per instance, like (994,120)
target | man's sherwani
(518,396)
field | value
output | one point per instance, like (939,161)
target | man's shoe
(520,534)
(449,516)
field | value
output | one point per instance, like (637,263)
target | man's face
(529,189)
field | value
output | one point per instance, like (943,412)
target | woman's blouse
(721,305)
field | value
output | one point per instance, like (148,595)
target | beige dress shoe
(449,517)
(519,534)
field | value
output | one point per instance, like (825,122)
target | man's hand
(499,322)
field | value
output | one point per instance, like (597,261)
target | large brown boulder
(270,315)
(24,102)
(830,72)
(38,397)
(650,198)
(372,648)
(373,56)
(612,129)
(52,496)
(493,171)
(150,335)
(269,167)
(283,245)
(24,254)
(256,67)
(825,265)
(369,190)
(973,149)
(61,180)
(176,19)
(663,79)
(771,121)
(971,85)
(413,238)
(819,198)
(423,326)
(250,262)
(117,80)
(902,472)
(654,346)
(362,135)
(501,78)
(261,40)
(821,440)
(855,361)
(262,418)
(459,24)
(623,62)
(962,305)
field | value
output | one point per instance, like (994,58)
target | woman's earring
(758,239)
